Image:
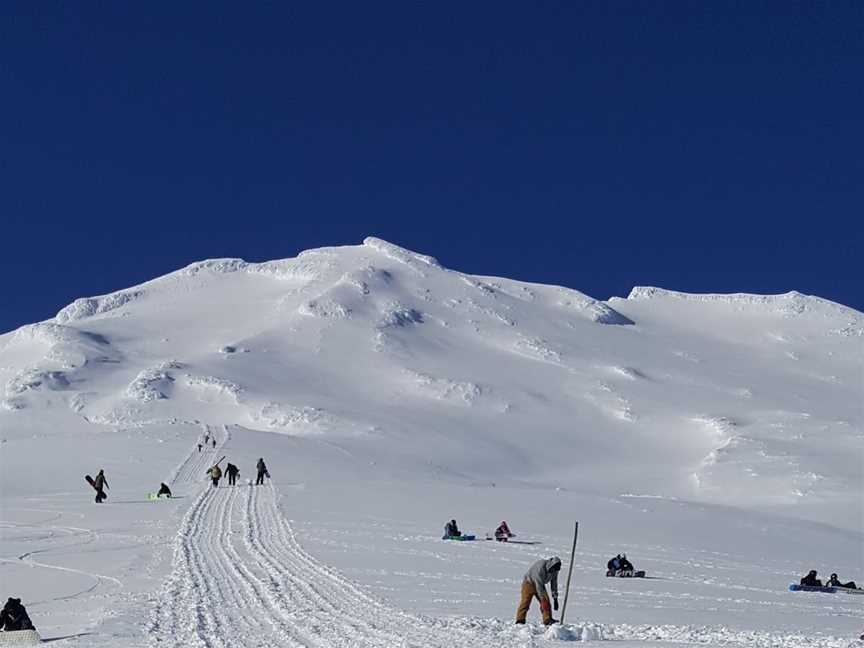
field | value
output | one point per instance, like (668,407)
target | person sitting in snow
(451,530)
(626,565)
(613,565)
(502,533)
(835,582)
(163,490)
(14,617)
(810,579)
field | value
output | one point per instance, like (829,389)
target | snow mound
(153,383)
(790,304)
(443,389)
(324,308)
(36,379)
(595,310)
(394,314)
(417,262)
(92,306)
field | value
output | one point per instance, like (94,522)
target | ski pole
(570,571)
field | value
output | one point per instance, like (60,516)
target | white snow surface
(716,439)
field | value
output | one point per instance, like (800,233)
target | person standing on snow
(534,584)
(261,467)
(232,471)
(100,484)
(215,473)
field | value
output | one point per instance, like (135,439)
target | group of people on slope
(502,533)
(207,440)
(215,473)
(810,580)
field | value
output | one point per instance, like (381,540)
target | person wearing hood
(215,473)
(451,530)
(502,533)
(534,585)
(232,471)
(810,579)
(14,617)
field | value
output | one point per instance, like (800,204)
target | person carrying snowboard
(215,473)
(534,585)
(261,467)
(100,484)
(163,490)
(810,579)
(502,533)
(14,617)
(232,471)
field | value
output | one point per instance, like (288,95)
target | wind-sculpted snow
(325,308)
(419,263)
(790,304)
(462,392)
(92,306)
(153,383)
(398,315)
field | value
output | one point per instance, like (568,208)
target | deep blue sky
(699,146)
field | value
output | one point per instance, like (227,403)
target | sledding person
(835,582)
(261,467)
(232,471)
(164,490)
(502,533)
(215,473)
(100,484)
(14,617)
(451,530)
(810,579)
(534,585)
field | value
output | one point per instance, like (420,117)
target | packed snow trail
(240,579)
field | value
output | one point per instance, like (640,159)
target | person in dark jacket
(835,582)
(261,467)
(534,586)
(232,471)
(451,530)
(613,565)
(626,565)
(14,617)
(163,490)
(810,579)
(100,484)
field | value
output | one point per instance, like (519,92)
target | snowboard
(155,496)
(626,573)
(825,589)
(461,538)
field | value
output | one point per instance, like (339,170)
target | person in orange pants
(534,585)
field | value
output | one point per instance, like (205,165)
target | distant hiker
(100,484)
(502,533)
(214,443)
(206,438)
(14,617)
(215,473)
(810,579)
(261,467)
(232,471)
(451,530)
(835,582)
(199,447)
(613,565)
(163,490)
(534,585)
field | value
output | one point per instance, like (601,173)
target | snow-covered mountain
(387,382)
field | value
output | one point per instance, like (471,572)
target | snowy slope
(716,438)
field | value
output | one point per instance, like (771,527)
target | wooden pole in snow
(570,571)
